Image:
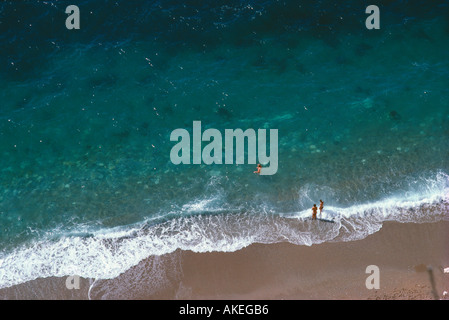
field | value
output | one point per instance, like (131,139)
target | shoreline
(328,270)
(331,270)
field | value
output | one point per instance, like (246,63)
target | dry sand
(402,251)
(328,270)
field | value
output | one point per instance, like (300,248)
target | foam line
(105,254)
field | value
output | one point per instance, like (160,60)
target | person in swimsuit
(321,206)
(314,210)
(259,167)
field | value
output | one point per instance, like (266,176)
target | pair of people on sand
(315,209)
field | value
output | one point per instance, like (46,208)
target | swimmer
(259,167)
(314,210)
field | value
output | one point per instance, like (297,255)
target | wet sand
(328,270)
(402,251)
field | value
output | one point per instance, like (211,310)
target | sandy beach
(129,150)
(328,270)
(402,251)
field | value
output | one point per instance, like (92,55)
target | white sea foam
(106,253)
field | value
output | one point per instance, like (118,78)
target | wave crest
(105,254)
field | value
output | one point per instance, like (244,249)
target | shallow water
(86,177)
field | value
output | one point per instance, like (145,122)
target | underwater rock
(394,115)
(223,112)
(362,49)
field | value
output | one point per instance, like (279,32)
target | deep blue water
(86,117)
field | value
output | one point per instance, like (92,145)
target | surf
(201,226)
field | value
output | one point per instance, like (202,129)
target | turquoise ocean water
(86,181)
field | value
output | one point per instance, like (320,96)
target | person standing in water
(259,167)
(321,206)
(314,210)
